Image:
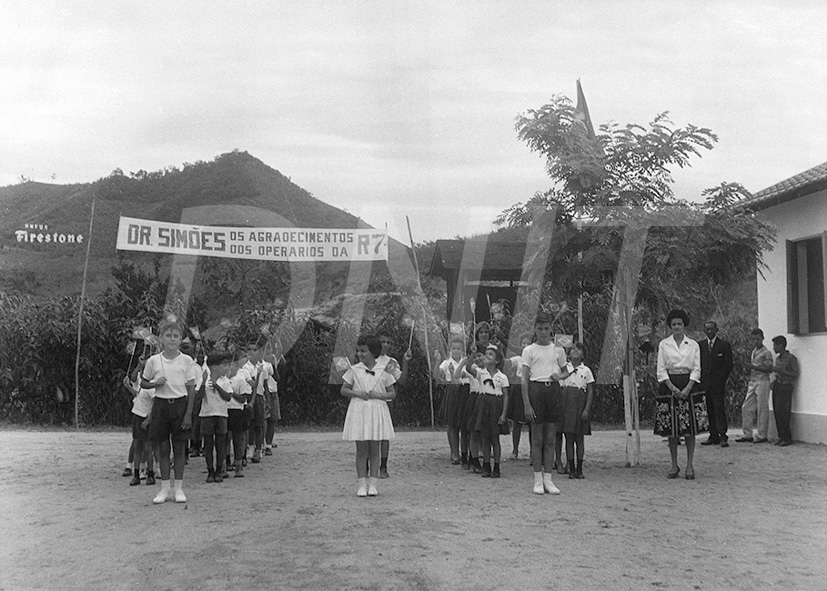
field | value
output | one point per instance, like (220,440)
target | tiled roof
(802,184)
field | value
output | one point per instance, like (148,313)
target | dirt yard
(755,517)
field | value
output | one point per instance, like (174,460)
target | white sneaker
(538,483)
(143,474)
(549,485)
(180,497)
(162,497)
(362,491)
(372,492)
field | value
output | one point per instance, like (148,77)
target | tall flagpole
(80,315)
(425,319)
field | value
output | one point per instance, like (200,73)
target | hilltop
(232,182)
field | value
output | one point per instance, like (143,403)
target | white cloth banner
(265,244)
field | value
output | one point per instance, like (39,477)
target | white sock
(538,478)
(179,484)
(165,485)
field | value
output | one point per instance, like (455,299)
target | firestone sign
(40,234)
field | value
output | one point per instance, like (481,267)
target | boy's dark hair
(677,314)
(219,358)
(758,332)
(372,343)
(542,318)
(579,345)
(456,341)
(780,340)
(384,333)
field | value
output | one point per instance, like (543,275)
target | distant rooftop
(804,183)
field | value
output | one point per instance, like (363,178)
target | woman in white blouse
(679,372)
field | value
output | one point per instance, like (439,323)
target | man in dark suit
(716,363)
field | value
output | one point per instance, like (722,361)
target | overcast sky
(390,109)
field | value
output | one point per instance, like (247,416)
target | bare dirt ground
(755,517)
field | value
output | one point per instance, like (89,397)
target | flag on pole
(581,113)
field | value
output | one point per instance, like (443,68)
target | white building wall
(805,217)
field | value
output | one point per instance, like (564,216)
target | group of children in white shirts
(236,393)
(541,387)
(556,392)
(551,393)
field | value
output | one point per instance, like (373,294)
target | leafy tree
(633,165)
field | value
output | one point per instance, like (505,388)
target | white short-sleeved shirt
(179,372)
(390,365)
(580,377)
(468,378)
(213,405)
(492,384)
(544,361)
(517,364)
(683,356)
(240,386)
(448,367)
(142,402)
(267,373)
(201,369)
(362,379)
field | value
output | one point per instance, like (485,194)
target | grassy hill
(230,181)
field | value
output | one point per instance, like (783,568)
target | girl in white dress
(368,420)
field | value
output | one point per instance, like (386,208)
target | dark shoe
(383,473)
(674,474)
(486,470)
(136,480)
(243,462)
(225,473)
(126,472)
(455,461)
(210,476)
(150,477)
(476,468)
(785,443)
(218,476)
(711,441)
(268,451)
(779,442)
(256,456)
(746,440)
(724,443)
(561,467)
(578,473)
(238,469)
(572,471)
(763,440)
(496,472)
(690,476)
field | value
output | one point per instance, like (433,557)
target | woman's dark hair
(372,343)
(677,314)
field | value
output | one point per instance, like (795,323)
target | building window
(806,289)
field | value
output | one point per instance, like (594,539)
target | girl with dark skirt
(578,392)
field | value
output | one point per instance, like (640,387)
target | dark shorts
(167,415)
(213,425)
(516,407)
(259,415)
(236,421)
(138,432)
(546,402)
